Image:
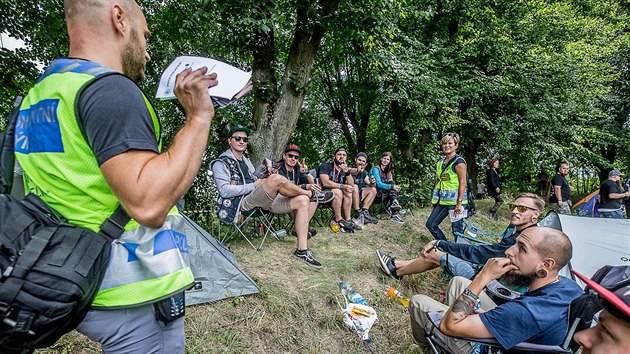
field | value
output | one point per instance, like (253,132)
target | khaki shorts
(259,198)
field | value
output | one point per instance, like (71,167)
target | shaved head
(91,11)
(554,244)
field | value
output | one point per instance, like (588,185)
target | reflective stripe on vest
(447,186)
(60,167)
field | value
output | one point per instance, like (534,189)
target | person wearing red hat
(296,171)
(611,335)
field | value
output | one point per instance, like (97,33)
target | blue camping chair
(471,233)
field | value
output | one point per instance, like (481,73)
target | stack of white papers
(456,217)
(233,84)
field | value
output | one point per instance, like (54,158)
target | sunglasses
(520,208)
(240,138)
(292,156)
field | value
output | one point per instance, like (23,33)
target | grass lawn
(297,310)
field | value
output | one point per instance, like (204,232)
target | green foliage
(532,82)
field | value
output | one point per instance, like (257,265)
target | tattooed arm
(458,321)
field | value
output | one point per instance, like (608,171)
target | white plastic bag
(360,319)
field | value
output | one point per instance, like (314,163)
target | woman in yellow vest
(449,194)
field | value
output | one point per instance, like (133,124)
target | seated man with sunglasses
(240,190)
(466,259)
(296,171)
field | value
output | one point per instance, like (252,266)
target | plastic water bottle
(352,295)
(392,292)
(334,226)
(280,233)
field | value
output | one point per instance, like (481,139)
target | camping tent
(596,241)
(588,205)
(216,271)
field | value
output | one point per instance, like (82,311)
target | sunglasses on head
(241,138)
(520,208)
(292,156)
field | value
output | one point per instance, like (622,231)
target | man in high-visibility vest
(88,140)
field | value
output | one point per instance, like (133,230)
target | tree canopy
(532,82)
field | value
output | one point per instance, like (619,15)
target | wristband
(475,298)
(347,173)
(470,294)
(341,185)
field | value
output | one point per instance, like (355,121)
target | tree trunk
(400,116)
(275,118)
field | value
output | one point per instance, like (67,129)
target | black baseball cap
(340,149)
(292,147)
(239,128)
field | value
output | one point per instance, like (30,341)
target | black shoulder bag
(50,270)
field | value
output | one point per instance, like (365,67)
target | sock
(302,251)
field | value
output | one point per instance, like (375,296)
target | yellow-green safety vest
(146,265)
(447,184)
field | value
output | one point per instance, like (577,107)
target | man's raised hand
(191,89)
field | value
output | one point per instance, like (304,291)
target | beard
(515,279)
(338,163)
(133,58)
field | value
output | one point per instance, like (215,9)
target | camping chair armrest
(436,317)
(469,238)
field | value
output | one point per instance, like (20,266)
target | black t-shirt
(294,176)
(245,170)
(359,179)
(565,190)
(115,118)
(336,175)
(605,189)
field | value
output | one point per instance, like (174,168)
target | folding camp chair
(261,221)
(471,233)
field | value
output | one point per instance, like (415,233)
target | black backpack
(50,270)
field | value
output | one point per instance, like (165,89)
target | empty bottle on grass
(392,292)
(353,296)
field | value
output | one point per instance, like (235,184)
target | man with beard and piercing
(466,259)
(241,191)
(297,172)
(539,315)
(336,177)
(88,140)
(364,189)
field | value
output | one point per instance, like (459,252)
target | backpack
(50,270)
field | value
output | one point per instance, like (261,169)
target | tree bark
(275,117)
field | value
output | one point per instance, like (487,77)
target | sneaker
(395,205)
(396,218)
(387,265)
(346,225)
(322,197)
(357,214)
(308,258)
(369,219)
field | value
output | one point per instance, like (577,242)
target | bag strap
(7,158)
(114,226)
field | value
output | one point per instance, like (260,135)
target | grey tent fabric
(596,241)
(216,271)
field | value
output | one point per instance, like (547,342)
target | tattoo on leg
(461,308)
